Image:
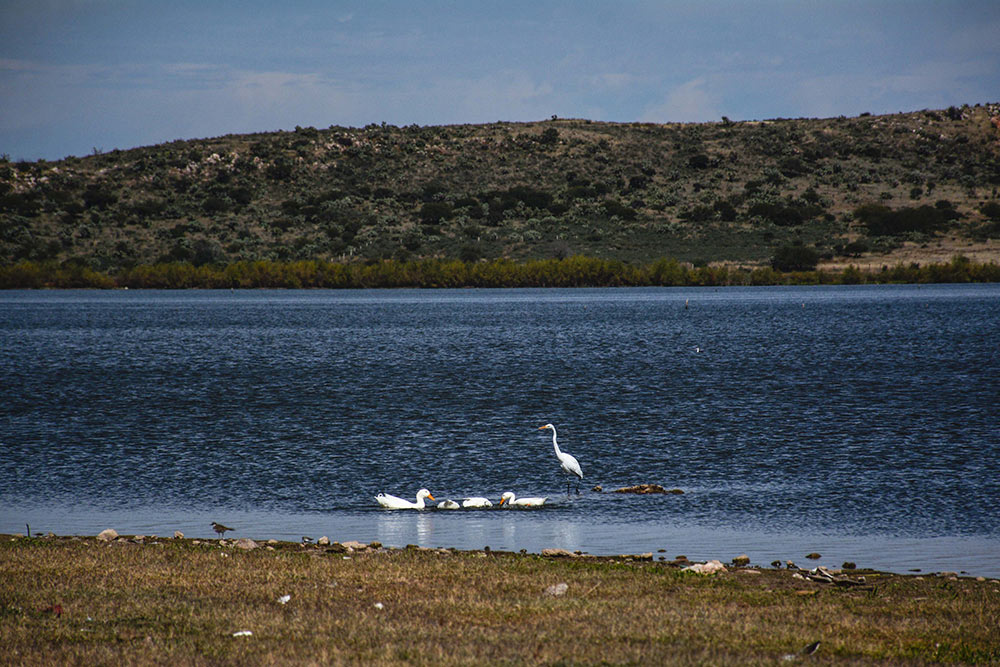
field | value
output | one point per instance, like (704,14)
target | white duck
(394,503)
(448,505)
(511,500)
(477,502)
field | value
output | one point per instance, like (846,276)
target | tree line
(575,271)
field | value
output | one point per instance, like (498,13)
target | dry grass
(179,601)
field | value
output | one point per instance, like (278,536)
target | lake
(860,422)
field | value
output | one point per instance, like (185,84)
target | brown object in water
(644,489)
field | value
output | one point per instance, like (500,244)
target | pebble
(555,590)
(557,553)
(178,535)
(742,559)
(107,535)
(711,567)
(354,545)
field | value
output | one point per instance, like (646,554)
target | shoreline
(532,531)
(805,564)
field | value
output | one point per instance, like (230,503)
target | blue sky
(79,75)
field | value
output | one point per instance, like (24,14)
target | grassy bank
(80,600)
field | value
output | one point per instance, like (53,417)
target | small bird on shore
(220,529)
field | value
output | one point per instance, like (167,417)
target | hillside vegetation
(758,193)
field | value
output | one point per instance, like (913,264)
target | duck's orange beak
(431,497)
(502,501)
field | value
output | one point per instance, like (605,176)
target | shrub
(856,248)
(580,192)
(215,204)
(884,221)
(698,214)
(791,167)
(615,207)
(549,136)
(991,210)
(784,216)
(638,182)
(207,251)
(530,196)
(470,253)
(795,257)
(280,170)
(99,196)
(699,161)
(725,210)
(434,212)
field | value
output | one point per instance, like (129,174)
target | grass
(181,601)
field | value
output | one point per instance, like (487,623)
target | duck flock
(567,462)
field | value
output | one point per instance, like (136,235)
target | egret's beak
(502,501)
(541,428)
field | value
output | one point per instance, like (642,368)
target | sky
(79,76)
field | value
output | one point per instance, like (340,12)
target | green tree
(795,257)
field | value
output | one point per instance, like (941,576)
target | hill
(908,187)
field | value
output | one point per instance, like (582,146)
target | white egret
(567,462)
(394,503)
(511,500)
(448,505)
(477,502)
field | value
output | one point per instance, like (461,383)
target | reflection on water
(533,531)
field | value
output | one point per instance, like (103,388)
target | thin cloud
(689,102)
(613,80)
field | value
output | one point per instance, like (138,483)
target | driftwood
(643,489)
(824,576)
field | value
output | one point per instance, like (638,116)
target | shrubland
(807,192)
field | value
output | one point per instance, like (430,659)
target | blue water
(860,422)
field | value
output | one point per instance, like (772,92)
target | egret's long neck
(554,443)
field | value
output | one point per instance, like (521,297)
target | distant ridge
(909,187)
